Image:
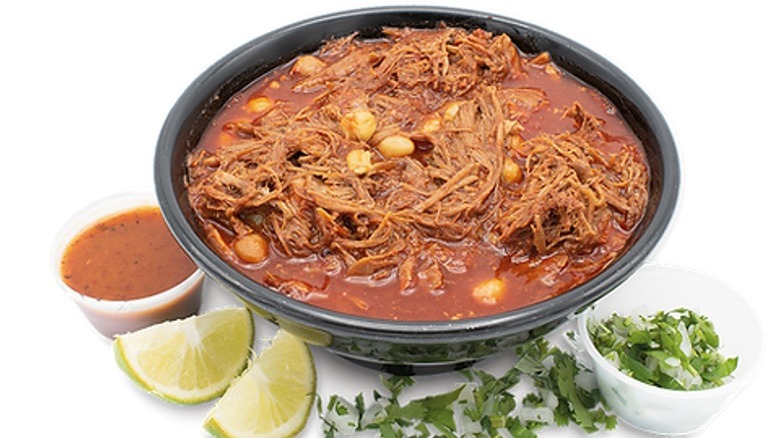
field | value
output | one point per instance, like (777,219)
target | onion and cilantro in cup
(675,349)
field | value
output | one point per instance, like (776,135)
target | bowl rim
(415,331)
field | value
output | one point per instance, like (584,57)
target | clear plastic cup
(116,317)
(653,288)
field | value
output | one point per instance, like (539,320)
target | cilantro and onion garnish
(484,405)
(675,349)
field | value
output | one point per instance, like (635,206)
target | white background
(85,88)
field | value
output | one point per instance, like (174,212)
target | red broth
(528,279)
(124,257)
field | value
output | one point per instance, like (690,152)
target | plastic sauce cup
(112,317)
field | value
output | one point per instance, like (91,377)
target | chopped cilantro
(482,407)
(557,382)
(677,349)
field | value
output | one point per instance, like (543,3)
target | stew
(432,174)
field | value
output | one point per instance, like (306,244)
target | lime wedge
(191,360)
(272,398)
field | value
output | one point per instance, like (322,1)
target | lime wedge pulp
(191,360)
(272,398)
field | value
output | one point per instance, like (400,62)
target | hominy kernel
(307,65)
(489,291)
(359,161)
(358,125)
(451,110)
(396,146)
(252,248)
(431,124)
(511,172)
(259,104)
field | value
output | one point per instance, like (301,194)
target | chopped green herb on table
(674,350)
(483,406)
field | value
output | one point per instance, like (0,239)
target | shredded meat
(572,191)
(288,177)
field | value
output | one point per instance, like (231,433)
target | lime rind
(175,349)
(272,398)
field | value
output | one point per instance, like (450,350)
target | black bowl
(408,346)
